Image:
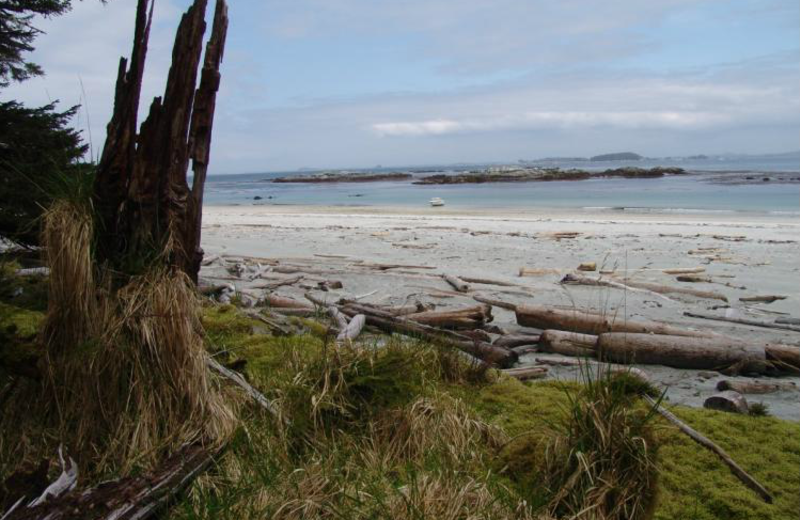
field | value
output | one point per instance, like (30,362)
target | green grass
(467,447)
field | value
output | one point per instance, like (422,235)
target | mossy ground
(337,471)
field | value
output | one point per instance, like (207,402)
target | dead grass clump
(438,426)
(601,464)
(125,370)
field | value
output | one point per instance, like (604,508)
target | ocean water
(697,192)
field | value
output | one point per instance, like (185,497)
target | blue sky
(356,83)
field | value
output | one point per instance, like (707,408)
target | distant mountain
(622,156)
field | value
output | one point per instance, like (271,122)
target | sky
(361,83)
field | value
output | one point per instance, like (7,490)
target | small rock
(727,401)
(587,266)
(258,197)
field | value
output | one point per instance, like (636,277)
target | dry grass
(124,371)
(601,464)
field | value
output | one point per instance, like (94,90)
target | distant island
(621,156)
(346,177)
(512,174)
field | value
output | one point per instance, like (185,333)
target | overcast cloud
(337,83)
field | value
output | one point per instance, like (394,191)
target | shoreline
(741,256)
(565,214)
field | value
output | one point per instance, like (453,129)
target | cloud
(560,120)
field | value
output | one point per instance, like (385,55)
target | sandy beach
(743,255)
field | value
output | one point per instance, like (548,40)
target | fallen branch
(485,281)
(575,279)
(249,390)
(704,441)
(353,329)
(762,299)
(492,301)
(568,343)
(526,373)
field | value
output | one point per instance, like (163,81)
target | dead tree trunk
(143,200)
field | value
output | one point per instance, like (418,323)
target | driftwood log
(576,279)
(353,329)
(727,401)
(516,340)
(466,318)
(704,441)
(273,300)
(743,321)
(667,289)
(568,343)
(385,321)
(755,387)
(456,283)
(526,373)
(682,352)
(575,321)
(131,498)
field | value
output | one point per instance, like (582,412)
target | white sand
(495,244)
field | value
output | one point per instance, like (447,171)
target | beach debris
(683,352)
(576,279)
(495,302)
(352,330)
(526,271)
(743,321)
(666,289)
(561,235)
(684,270)
(786,356)
(704,441)
(693,278)
(239,380)
(727,401)
(465,318)
(755,387)
(762,299)
(486,281)
(33,271)
(457,284)
(544,318)
(273,300)
(516,340)
(526,373)
(588,266)
(568,343)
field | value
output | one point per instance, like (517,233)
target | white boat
(436,201)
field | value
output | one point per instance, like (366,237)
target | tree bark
(568,343)
(142,196)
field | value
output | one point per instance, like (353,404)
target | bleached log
(743,321)
(681,351)
(667,289)
(353,329)
(486,281)
(755,387)
(34,271)
(279,283)
(762,299)
(526,271)
(465,318)
(495,302)
(65,482)
(575,279)
(704,441)
(576,321)
(456,283)
(338,317)
(684,270)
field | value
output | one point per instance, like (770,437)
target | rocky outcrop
(346,177)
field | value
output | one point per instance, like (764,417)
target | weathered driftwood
(755,387)
(338,317)
(33,271)
(273,300)
(575,279)
(684,270)
(130,498)
(599,368)
(353,329)
(727,401)
(568,343)
(465,318)
(477,335)
(787,354)
(456,283)
(495,302)
(762,299)
(275,325)
(588,266)
(694,278)
(411,308)
(394,324)
(704,441)
(743,321)
(526,373)
(247,387)
(576,321)
(528,271)
(681,351)
(384,267)
(667,289)
(486,281)
(279,283)
(516,340)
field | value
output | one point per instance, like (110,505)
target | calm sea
(699,192)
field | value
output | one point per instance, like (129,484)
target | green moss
(693,483)
(19,322)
